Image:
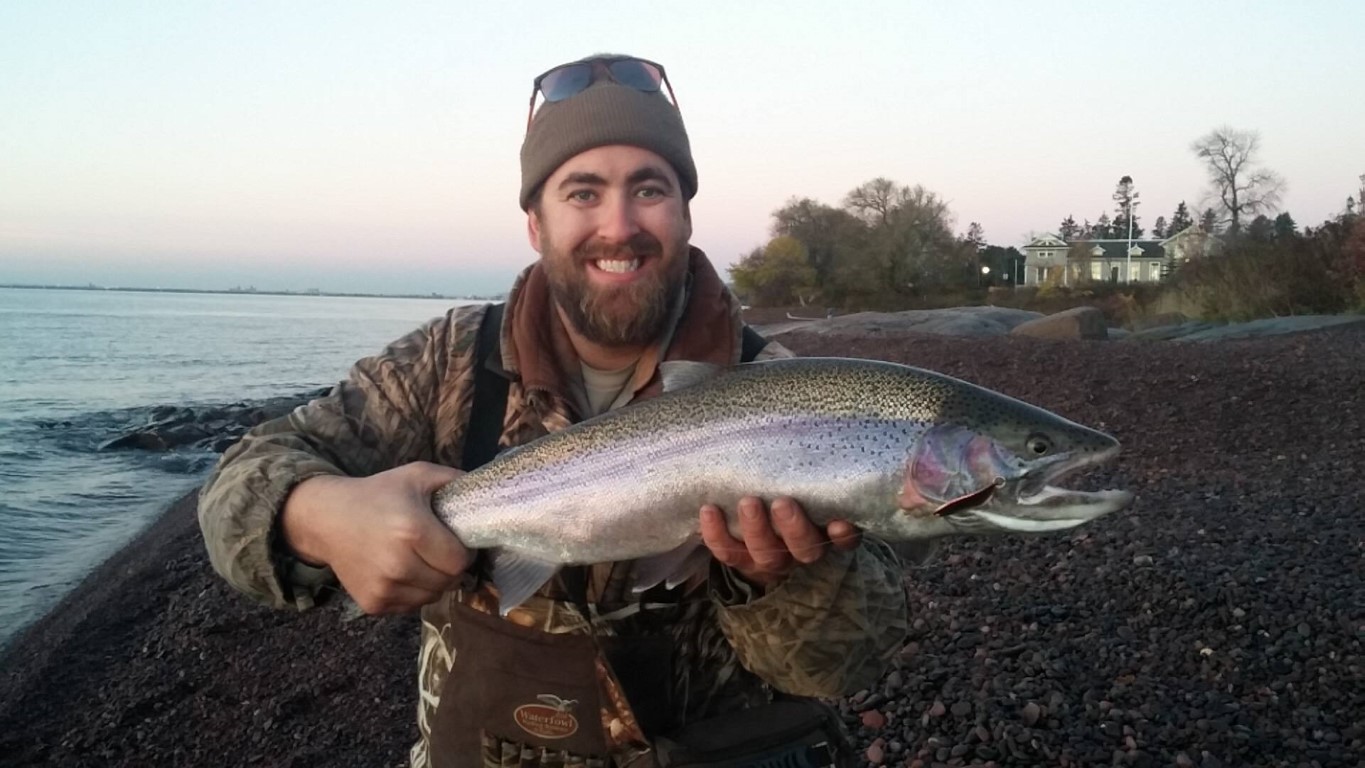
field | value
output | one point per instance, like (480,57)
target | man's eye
(582,196)
(649,192)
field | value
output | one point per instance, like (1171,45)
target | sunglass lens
(640,75)
(566,81)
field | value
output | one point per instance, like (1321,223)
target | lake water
(74,363)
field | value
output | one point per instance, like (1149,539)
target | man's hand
(379,535)
(774,541)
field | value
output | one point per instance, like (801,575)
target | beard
(627,315)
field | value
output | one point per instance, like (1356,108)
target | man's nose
(618,223)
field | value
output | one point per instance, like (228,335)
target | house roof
(1118,249)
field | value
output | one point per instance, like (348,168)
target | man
(585,672)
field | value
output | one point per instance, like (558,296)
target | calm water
(72,363)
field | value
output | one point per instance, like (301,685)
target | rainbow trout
(907,455)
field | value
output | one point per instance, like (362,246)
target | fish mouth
(1034,502)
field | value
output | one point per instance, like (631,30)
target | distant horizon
(249,291)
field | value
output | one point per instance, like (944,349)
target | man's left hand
(774,541)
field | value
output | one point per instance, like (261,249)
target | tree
(778,274)
(1069,230)
(1007,264)
(873,201)
(1180,220)
(1209,221)
(1261,229)
(1103,229)
(908,245)
(1159,228)
(822,229)
(1239,188)
(1125,199)
(1285,228)
(976,235)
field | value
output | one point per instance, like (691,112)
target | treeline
(1268,269)
(886,245)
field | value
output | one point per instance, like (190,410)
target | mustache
(639,245)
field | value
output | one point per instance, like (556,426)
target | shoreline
(1218,622)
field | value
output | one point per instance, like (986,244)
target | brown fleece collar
(535,345)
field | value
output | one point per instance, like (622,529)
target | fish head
(998,468)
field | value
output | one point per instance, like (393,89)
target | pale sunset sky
(368,146)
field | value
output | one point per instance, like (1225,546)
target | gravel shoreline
(1220,621)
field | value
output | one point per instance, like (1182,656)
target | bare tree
(873,201)
(1240,188)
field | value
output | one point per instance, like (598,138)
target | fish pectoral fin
(681,374)
(517,576)
(671,568)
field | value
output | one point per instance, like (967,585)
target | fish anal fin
(517,576)
(671,568)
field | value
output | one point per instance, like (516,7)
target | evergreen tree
(1285,228)
(1159,228)
(1069,229)
(976,235)
(1125,199)
(1180,220)
(1104,230)
(1209,221)
(1261,229)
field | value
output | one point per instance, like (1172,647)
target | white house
(1049,258)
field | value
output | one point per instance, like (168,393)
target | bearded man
(585,672)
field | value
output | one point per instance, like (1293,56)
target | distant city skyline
(362,148)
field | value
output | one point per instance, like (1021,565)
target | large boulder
(1074,323)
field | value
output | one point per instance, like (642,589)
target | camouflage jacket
(826,630)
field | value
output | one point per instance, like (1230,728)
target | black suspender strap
(489,407)
(751,344)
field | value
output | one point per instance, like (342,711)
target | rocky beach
(1220,621)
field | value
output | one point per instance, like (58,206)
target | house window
(1096,270)
(1135,272)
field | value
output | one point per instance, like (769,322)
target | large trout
(906,454)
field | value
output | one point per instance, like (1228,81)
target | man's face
(612,230)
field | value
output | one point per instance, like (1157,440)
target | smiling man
(585,672)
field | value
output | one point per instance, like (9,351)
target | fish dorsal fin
(681,374)
(671,568)
(517,576)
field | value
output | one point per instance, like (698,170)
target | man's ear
(533,228)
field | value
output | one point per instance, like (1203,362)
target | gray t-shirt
(598,391)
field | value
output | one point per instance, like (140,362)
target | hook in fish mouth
(1031,503)
(971,500)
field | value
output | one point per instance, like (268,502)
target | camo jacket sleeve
(386,413)
(829,628)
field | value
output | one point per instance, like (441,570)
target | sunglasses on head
(567,80)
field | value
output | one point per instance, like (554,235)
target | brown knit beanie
(604,113)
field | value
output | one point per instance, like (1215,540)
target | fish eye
(1038,445)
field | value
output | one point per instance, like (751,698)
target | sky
(373,147)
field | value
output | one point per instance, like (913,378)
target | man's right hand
(379,535)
